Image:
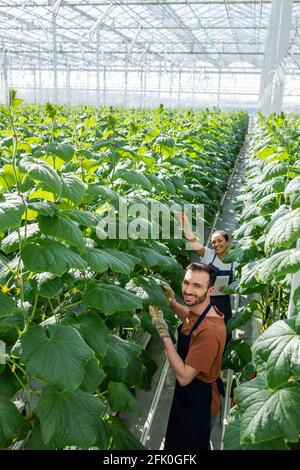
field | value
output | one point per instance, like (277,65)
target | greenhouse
(149,228)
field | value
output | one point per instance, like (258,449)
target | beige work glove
(159,321)
(169,293)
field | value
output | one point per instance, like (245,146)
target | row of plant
(267,411)
(70,300)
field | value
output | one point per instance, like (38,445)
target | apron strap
(213,259)
(200,319)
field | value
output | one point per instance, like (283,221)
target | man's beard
(199,300)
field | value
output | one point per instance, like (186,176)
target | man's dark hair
(222,232)
(210,270)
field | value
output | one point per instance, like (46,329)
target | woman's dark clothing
(222,302)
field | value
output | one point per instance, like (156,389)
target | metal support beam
(104,85)
(179,89)
(219,89)
(54,43)
(4,76)
(141,87)
(34,85)
(68,85)
(97,69)
(295,285)
(283,44)
(275,51)
(159,81)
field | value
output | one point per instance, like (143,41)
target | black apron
(222,302)
(189,419)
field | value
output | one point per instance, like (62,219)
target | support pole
(295,285)
(267,75)
(34,85)
(68,85)
(193,87)
(277,42)
(40,78)
(141,87)
(97,70)
(179,89)
(126,81)
(4,76)
(219,89)
(54,42)
(171,86)
(144,88)
(104,85)
(159,82)
(283,44)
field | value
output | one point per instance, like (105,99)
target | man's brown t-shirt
(205,351)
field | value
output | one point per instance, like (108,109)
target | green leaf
(156,182)
(11,211)
(57,356)
(268,204)
(232,288)
(102,260)
(110,298)
(267,414)
(47,284)
(51,110)
(42,172)
(120,352)
(278,348)
(292,191)
(251,228)
(280,264)
(237,354)
(70,417)
(61,228)
(148,290)
(231,440)
(249,275)
(138,371)
(11,242)
(249,212)
(8,383)
(10,423)
(103,192)
(285,231)
(63,151)
(150,257)
(93,376)
(120,437)
(170,188)
(36,441)
(126,258)
(73,188)
(121,399)
(51,256)
(94,331)
(242,316)
(134,178)
(232,437)
(44,207)
(274,169)
(85,218)
(7,305)
(278,184)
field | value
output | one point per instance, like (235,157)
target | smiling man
(197,361)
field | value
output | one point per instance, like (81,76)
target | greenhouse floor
(154,439)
